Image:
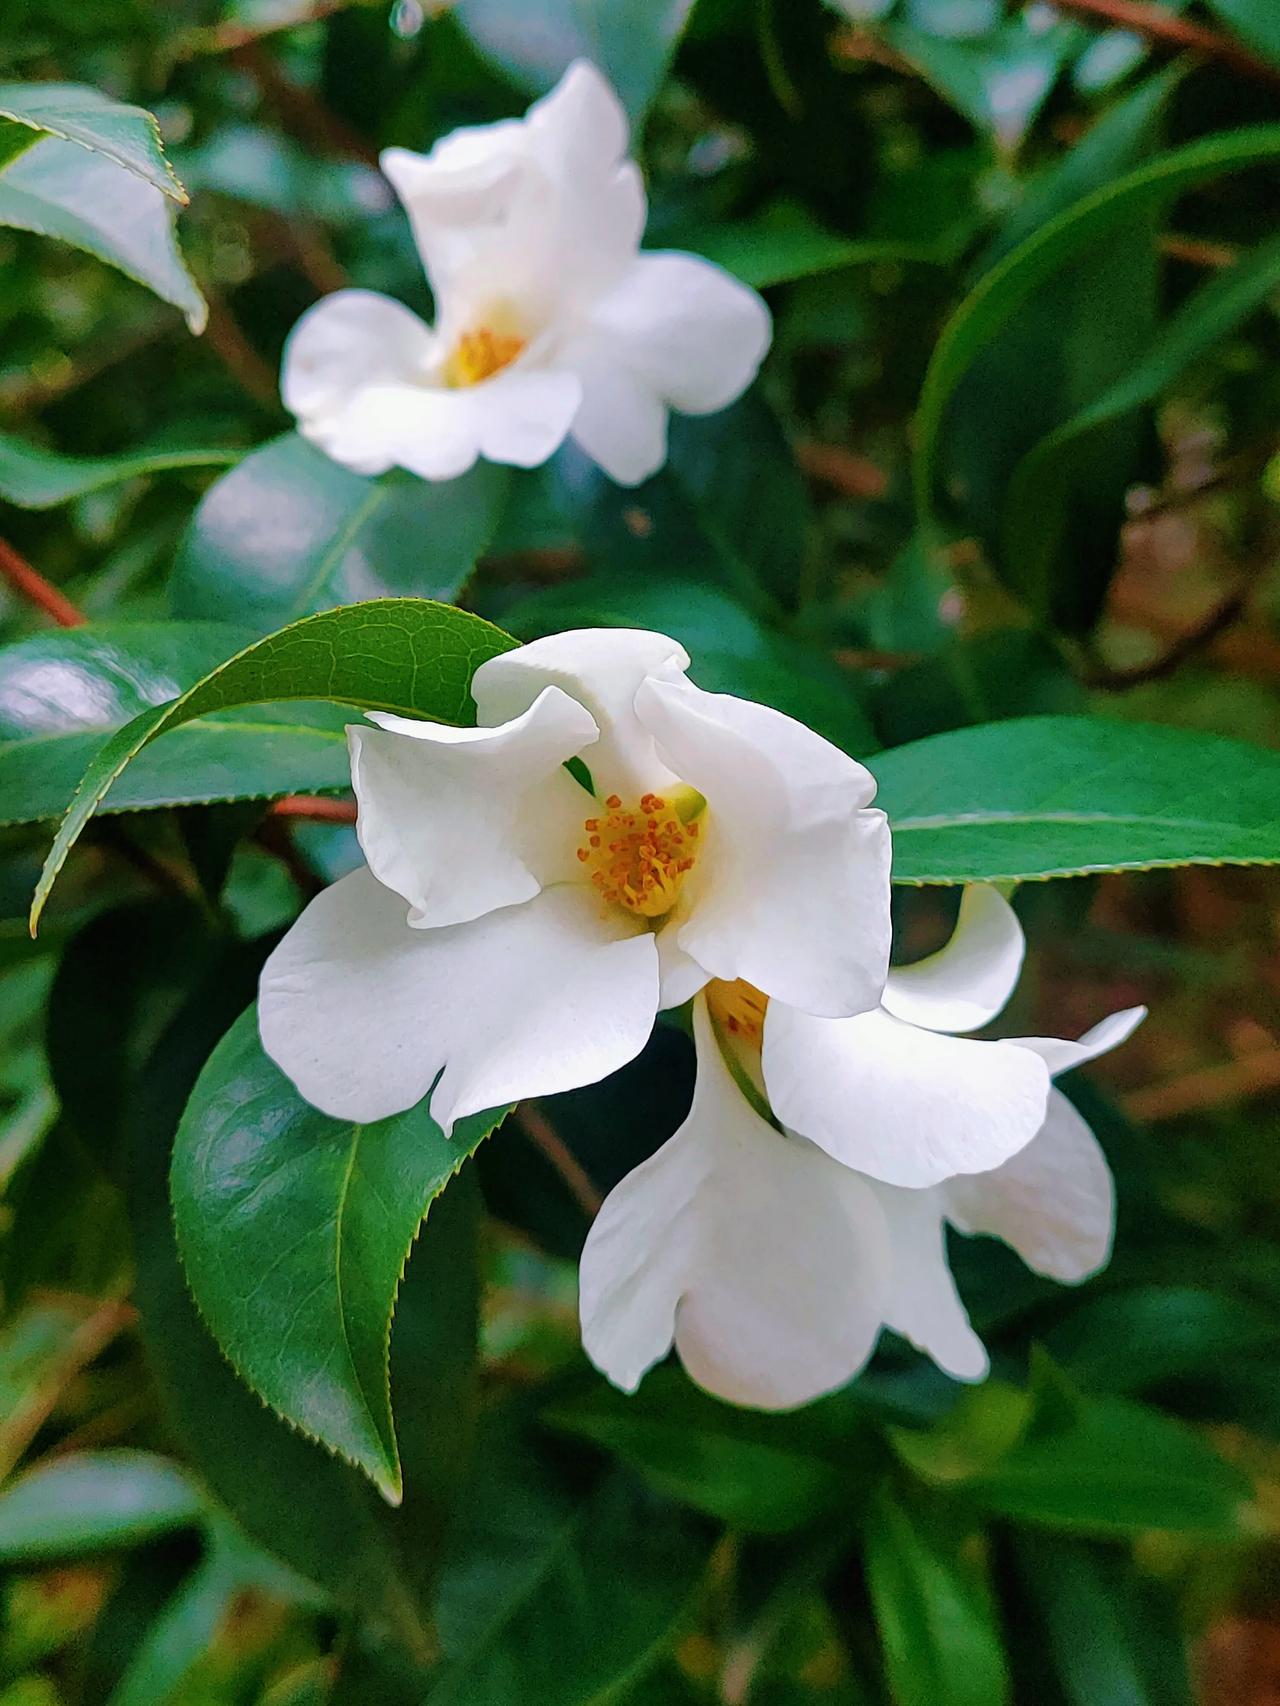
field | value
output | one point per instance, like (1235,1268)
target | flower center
(738,1008)
(639,858)
(479,355)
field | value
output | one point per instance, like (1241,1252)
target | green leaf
(1254,21)
(1039,797)
(90,1500)
(1113,1638)
(294,1229)
(786,243)
(1047,482)
(1117,1469)
(288,532)
(405,655)
(57,189)
(933,1610)
(338,1533)
(998,295)
(1130,1341)
(631,41)
(35,478)
(64,692)
(769,1473)
(534,1605)
(130,136)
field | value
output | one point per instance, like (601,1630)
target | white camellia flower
(930,1104)
(771,1265)
(549,320)
(515,935)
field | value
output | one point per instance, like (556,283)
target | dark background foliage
(1080,516)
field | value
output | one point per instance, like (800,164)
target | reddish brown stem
(1176,35)
(314,808)
(548,1141)
(37,590)
(1223,616)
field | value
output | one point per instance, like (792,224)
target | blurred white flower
(549,320)
(770,1265)
(515,935)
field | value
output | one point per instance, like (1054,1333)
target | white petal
(763,1262)
(349,343)
(523,415)
(907,1106)
(1054,1202)
(622,423)
(924,1305)
(1060,1056)
(964,985)
(447,816)
(364,1013)
(601,668)
(685,328)
(795,894)
(681,976)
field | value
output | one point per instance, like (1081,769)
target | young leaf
(933,1610)
(288,532)
(1041,797)
(58,189)
(91,1500)
(36,478)
(63,693)
(998,295)
(405,655)
(129,136)
(294,1229)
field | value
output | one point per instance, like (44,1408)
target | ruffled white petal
(601,668)
(460,821)
(348,345)
(1060,1056)
(923,1304)
(964,985)
(794,897)
(365,1014)
(1054,1202)
(906,1106)
(685,328)
(763,1262)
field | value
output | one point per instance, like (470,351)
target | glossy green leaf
(1046,483)
(631,41)
(339,1533)
(1039,797)
(63,693)
(129,136)
(288,532)
(998,295)
(534,1605)
(57,189)
(1256,22)
(1113,1639)
(405,655)
(36,478)
(1117,1469)
(88,1501)
(933,1610)
(756,1471)
(294,1229)
(1130,1341)
(786,243)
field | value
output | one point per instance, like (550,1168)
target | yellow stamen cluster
(738,1008)
(479,355)
(640,858)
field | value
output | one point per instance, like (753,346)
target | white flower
(514,935)
(772,1266)
(894,1092)
(549,321)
